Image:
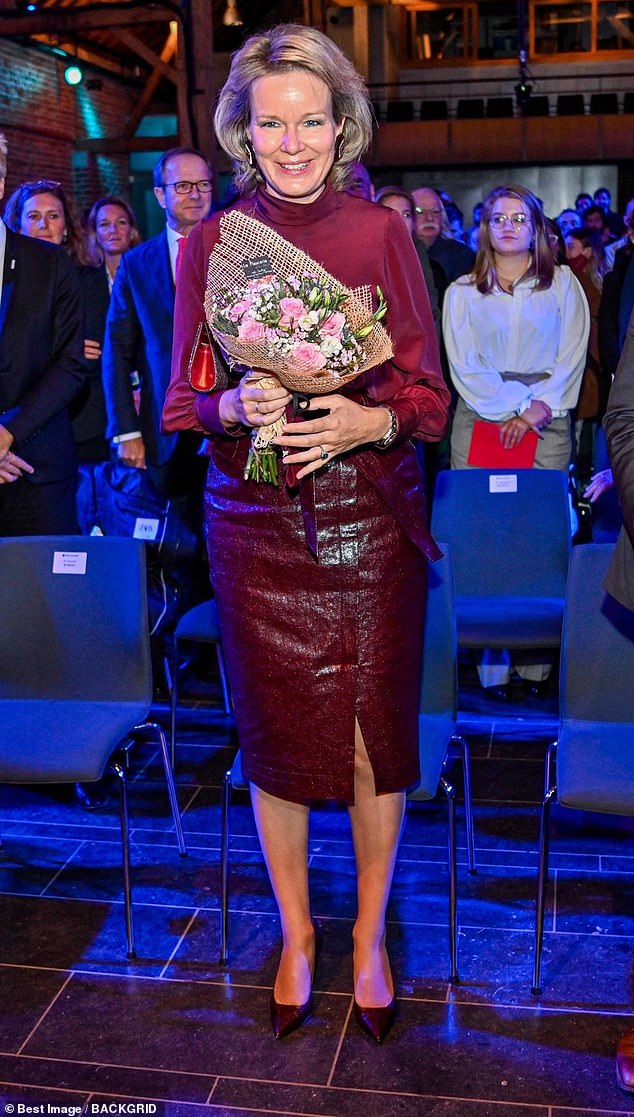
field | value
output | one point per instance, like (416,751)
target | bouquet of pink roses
(271,307)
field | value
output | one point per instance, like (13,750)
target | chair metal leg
(174,703)
(453,880)
(542,874)
(169,779)
(222,671)
(465,755)
(224,867)
(118,771)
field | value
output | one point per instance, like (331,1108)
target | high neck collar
(279,211)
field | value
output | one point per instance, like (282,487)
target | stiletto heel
(375,1022)
(286,1018)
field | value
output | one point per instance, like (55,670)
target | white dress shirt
(540,336)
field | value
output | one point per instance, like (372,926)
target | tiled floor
(80,1024)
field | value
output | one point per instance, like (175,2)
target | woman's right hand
(249,405)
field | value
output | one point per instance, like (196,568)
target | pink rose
(333,324)
(292,308)
(309,356)
(239,309)
(250,330)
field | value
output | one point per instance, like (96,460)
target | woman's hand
(534,418)
(599,483)
(248,405)
(12,467)
(317,441)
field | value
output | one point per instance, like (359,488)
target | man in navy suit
(41,370)
(138,337)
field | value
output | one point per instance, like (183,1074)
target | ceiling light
(73,74)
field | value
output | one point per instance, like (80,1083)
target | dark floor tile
(507,780)
(187,1028)
(491,1053)
(595,904)
(324,1102)
(79,935)
(73,1102)
(102,1077)
(25,995)
(159,875)
(578,971)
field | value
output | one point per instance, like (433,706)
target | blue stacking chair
(75,667)
(509,535)
(590,767)
(439,744)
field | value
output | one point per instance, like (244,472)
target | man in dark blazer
(138,341)
(41,370)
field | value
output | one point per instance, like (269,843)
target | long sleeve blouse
(359,243)
(506,350)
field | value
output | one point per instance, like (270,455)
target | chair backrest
(508,530)
(73,620)
(597,658)
(439,684)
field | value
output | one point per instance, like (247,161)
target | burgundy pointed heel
(287,1018)
(375,1022)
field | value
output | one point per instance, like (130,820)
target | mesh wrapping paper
(244,240)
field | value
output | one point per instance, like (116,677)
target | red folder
(487,452)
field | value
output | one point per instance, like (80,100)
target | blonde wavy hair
(542,262)
(277,51)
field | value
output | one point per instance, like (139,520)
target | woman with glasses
(516,332)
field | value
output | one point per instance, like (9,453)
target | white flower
(330,346)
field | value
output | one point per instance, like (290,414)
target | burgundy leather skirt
(311,645)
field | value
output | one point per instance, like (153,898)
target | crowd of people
(317,575)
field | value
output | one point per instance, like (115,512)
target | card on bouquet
(487,452)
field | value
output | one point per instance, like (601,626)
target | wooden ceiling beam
(145,99)
(55,21)
(116,145)
(137,46)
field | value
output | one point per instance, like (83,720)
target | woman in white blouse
(516,331)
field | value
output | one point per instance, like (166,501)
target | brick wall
(43,117)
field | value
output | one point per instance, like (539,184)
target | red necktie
(181,248)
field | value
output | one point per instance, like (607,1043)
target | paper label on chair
(503,483)
(145,528)
(69,562)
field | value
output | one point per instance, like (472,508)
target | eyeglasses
(428,212)
(518,220)
(203,187)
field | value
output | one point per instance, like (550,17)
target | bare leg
(283,832)
(376,822)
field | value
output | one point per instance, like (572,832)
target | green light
(73,75)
